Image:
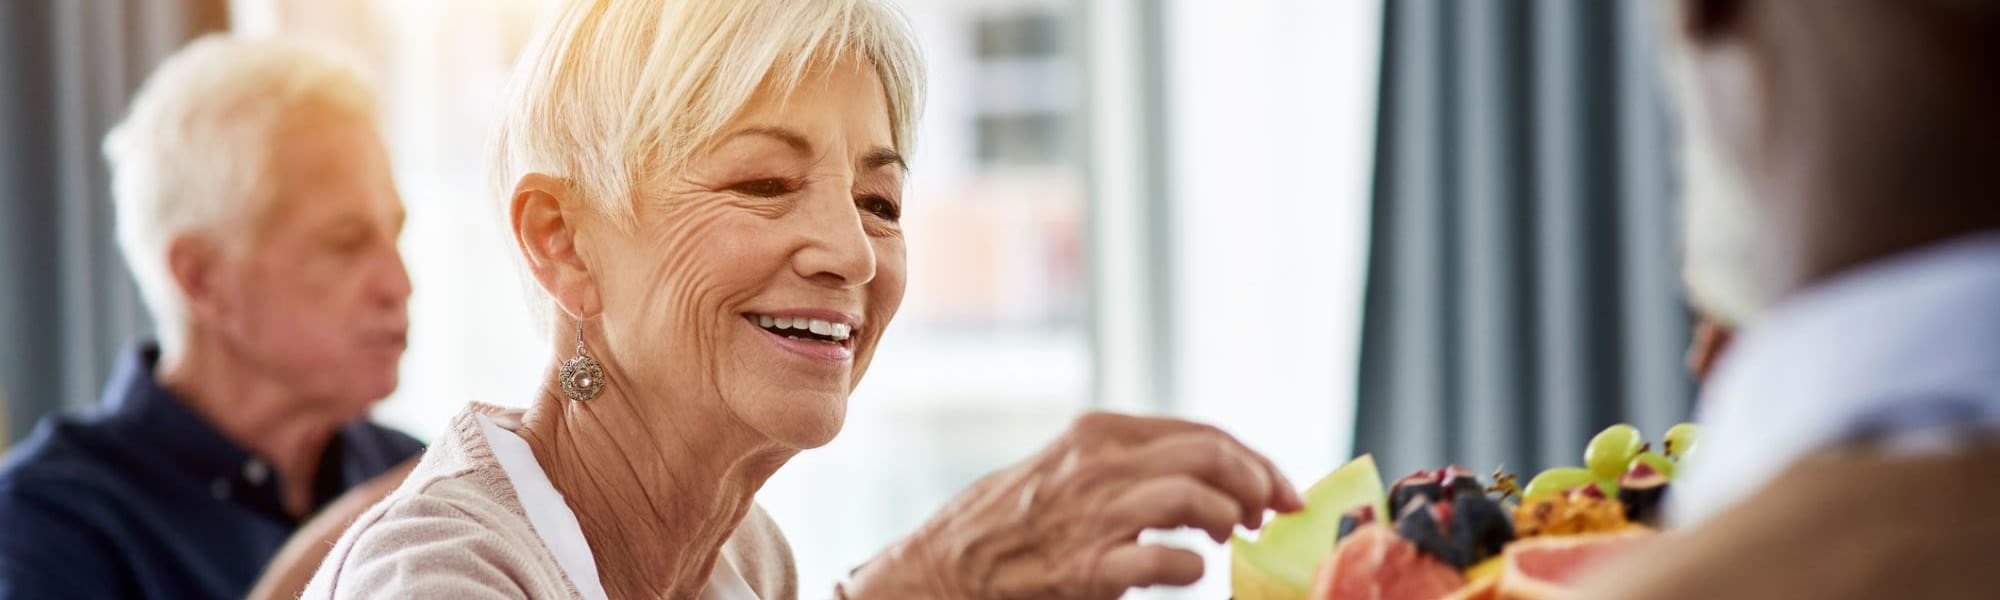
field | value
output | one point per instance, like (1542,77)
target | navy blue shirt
(143,499)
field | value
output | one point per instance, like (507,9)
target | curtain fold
(67,304)
(1523,276)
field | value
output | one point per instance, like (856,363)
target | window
(1029,31)
(1022,139)
(1024,83)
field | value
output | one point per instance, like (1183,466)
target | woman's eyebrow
(794,139)
(883,157)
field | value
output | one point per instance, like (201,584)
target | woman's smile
(819,336)
(709,195)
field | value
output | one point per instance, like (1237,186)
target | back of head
(191,156)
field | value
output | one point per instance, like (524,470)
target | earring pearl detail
(581,377)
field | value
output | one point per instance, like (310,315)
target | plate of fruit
(1448,533)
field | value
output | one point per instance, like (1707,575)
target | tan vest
(1844,524)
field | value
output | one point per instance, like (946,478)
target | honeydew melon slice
(1279,563)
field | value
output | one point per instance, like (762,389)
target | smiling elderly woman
(706,194)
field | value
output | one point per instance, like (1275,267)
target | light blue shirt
(1904,351)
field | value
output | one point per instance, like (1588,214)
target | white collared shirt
(551,517)
(1905,351)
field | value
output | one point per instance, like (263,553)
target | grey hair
(191,154)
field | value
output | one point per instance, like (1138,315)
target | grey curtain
(1523,288)
(66,303)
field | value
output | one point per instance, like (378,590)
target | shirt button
(255,471)
(219,488)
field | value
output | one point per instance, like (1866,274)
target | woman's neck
(657,484)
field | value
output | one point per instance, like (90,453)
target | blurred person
(1851,428)
(256,212)
(705,197)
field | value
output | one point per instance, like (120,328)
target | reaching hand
(1066,522)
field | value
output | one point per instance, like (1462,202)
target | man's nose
(391,281)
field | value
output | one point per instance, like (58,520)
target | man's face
(317,297)
(1728,274)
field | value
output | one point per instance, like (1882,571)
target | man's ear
(1707,20)
(194,262)
(1711,339)
(546,235)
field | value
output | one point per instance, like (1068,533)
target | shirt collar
(547,512)
(1907,329)
(136,403)
(158,420)
(551,518)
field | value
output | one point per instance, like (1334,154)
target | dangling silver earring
(581,377)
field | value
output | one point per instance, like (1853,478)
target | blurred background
(1439,231)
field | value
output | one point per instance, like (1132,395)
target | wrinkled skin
(793,209)
(1065,523)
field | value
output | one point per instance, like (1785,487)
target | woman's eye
(880,207)
(763,188)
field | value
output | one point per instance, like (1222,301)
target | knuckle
(1088,470)
(1257,477)
(1182,485)
(1219,453)
(1188,497)
(1223,508)
(1217,448)
(1194,461)
(1092,422)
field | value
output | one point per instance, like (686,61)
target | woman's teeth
(791,326)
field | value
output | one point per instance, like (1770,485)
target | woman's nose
(837,251)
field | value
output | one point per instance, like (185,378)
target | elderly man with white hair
(257,213)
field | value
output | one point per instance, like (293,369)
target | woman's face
(765,272)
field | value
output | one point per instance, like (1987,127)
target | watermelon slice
(1279,564)
(1375,563)
(1544,567)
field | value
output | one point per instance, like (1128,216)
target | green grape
(1662,464)
(1680,439)
(1611,450)
(1609,487)
(1557,481)
(1690,455)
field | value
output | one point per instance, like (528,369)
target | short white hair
(193,152)
(617,94)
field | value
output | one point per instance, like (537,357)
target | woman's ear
(544,221)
